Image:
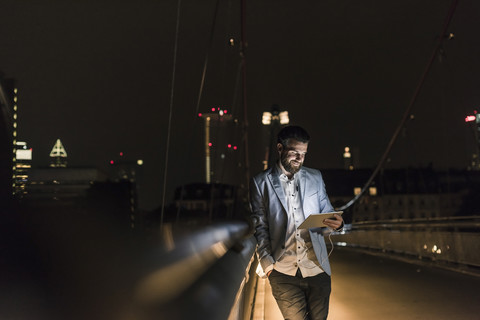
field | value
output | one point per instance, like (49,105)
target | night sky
(98,75)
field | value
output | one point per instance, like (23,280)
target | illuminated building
(58,155)
(8,136)
(23,165)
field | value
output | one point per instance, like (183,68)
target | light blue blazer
(269,213)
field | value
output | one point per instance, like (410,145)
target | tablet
(315,220)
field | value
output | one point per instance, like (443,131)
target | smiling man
(295,260)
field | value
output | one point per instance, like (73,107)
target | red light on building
(210,144)
(470,118)
(225,111)
(235,148)
(111,162)
(213,109)
(121,154)
(199,114)
(229,145)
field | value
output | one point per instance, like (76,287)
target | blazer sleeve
(259,217)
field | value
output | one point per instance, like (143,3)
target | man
(295,260)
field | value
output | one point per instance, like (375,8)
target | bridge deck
(366,286)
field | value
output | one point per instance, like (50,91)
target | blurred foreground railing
(207,275)
(452,240)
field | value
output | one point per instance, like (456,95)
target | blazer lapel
(277,187)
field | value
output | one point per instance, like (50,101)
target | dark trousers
(301,298)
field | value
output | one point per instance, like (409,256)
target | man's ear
(279,147)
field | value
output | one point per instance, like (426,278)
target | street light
(274,118)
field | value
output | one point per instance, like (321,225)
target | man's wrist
(341,227)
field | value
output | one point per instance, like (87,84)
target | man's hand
(334,223)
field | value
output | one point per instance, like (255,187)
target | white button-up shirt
(298,245)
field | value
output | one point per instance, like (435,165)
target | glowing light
(121,154)
(470,118)
(220,112)
(235,147)
(267,118)
(347,153)
(284,119)
(372,191)
(199,114)
(112,162)
(225,111)
(213,109)
(140,162)
(210,144)
(229,145)
(357,190)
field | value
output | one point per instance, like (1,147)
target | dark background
(98,75)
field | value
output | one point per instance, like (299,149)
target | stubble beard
(287,166)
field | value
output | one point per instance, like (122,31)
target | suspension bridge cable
(172,91)
(200,91)
(409,107)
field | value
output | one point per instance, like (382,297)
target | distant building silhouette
(62,186)
(409,193)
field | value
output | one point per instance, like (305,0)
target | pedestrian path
(265,305)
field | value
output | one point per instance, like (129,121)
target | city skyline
(99,76)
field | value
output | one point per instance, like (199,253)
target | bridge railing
(453,240)
(209,274)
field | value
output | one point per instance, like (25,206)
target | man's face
(292,155)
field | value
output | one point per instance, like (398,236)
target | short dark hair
(292,132)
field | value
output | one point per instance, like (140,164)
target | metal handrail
(200,277)
(472,222)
